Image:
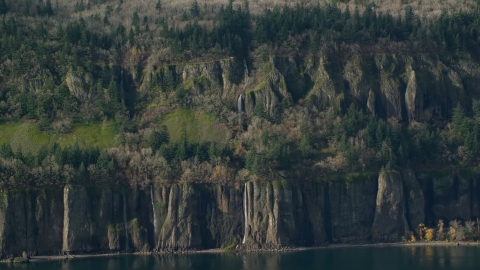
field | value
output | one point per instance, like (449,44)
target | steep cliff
(280,214)
(265,213)
(390,223)
(173,217)
(406,87)
(352,209)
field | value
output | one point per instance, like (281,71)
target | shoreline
(43,258)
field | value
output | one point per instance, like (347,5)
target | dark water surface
(391,258)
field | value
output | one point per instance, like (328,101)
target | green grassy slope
(200,127)
(29,138)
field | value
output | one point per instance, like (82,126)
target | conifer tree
(182,149)
(3,7)
(159,137)
(131,37)
(135,19)
(48,10)
(195,9)
(81,174)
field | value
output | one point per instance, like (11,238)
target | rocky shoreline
(238,251)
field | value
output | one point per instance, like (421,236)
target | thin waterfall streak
(245,212)
(239,105)
(246,73)
(155,231)
(246,67)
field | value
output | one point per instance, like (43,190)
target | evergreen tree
(3,7)
(31,106)
(6,150)
(135,19)
(259,110)
(81,174)
(159,137)
(259,164)
(458,118)
(131,37)
(305,142)
(182,149)
(102,161)
(43,152)
(158,6)
(195,9)
(212,151)
(48,8)
(476,107)
(314,42)
(113,92)
(379,136)
(201,152)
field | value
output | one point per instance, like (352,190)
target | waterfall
(246,67)
(125,221)
(246,73)
(245,212)
(240,107)
(155,231)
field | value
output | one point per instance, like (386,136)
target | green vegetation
(353,177)
(91,100)
(101,135)
(28,137)
(200,127)
(230,247)
(25,136)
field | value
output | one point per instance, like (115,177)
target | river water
(358,258)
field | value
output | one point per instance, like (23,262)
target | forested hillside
(329,89)
(176,125)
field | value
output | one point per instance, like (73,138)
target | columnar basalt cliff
(76,219)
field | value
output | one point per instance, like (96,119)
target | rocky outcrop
(352,210)
(278,215)
(181,228)
(405,87)
(92,220)
(77,82)
(268,93)
(415,200)
(390,223)
(31,221)
(219,78)
(188,216)
(359,79)
(455,195)
(324,90)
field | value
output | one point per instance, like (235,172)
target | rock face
(390,223)
(187,216)
(414,198)
(92,220)
(31,221)
(405,87)
(454,195)
(278,215)
(352,210)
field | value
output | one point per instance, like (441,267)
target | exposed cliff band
(202,216)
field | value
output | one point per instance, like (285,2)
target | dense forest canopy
(59,72)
